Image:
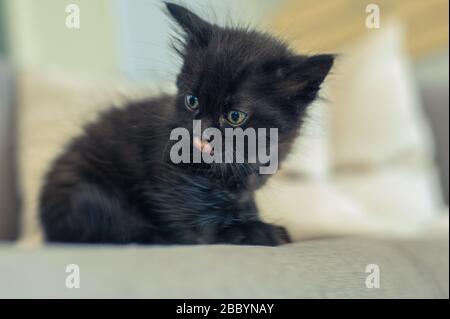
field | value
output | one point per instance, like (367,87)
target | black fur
(116,184)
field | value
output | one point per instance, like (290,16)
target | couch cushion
(327,268)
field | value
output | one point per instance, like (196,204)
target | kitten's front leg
(253,233)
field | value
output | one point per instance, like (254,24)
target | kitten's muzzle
(202,145)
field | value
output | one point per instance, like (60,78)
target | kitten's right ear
(309,73)
(197,30)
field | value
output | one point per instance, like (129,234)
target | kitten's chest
(198,201)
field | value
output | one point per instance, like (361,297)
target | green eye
(236,117)
(191,102)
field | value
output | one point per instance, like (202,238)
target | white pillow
(382,179)
(377,116)
(381,143)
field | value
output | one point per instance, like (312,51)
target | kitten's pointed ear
(310,72)
(197,30)
(317,67)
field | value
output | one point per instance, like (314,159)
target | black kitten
(117,184)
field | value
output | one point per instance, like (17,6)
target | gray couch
(326,268)
(9,218)
(322,268)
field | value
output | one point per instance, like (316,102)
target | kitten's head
(234,77)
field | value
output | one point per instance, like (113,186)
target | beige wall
(328,25)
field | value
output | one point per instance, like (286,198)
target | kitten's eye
(191,102)
(236,118)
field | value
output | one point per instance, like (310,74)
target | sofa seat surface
(321,268)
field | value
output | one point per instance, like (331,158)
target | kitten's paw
(254,233)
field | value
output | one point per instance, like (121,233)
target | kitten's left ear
(310,72)
(197,30)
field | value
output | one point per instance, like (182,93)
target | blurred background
(372,159)
(128,41)
(116,38)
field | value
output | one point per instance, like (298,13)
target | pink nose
(202,146)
